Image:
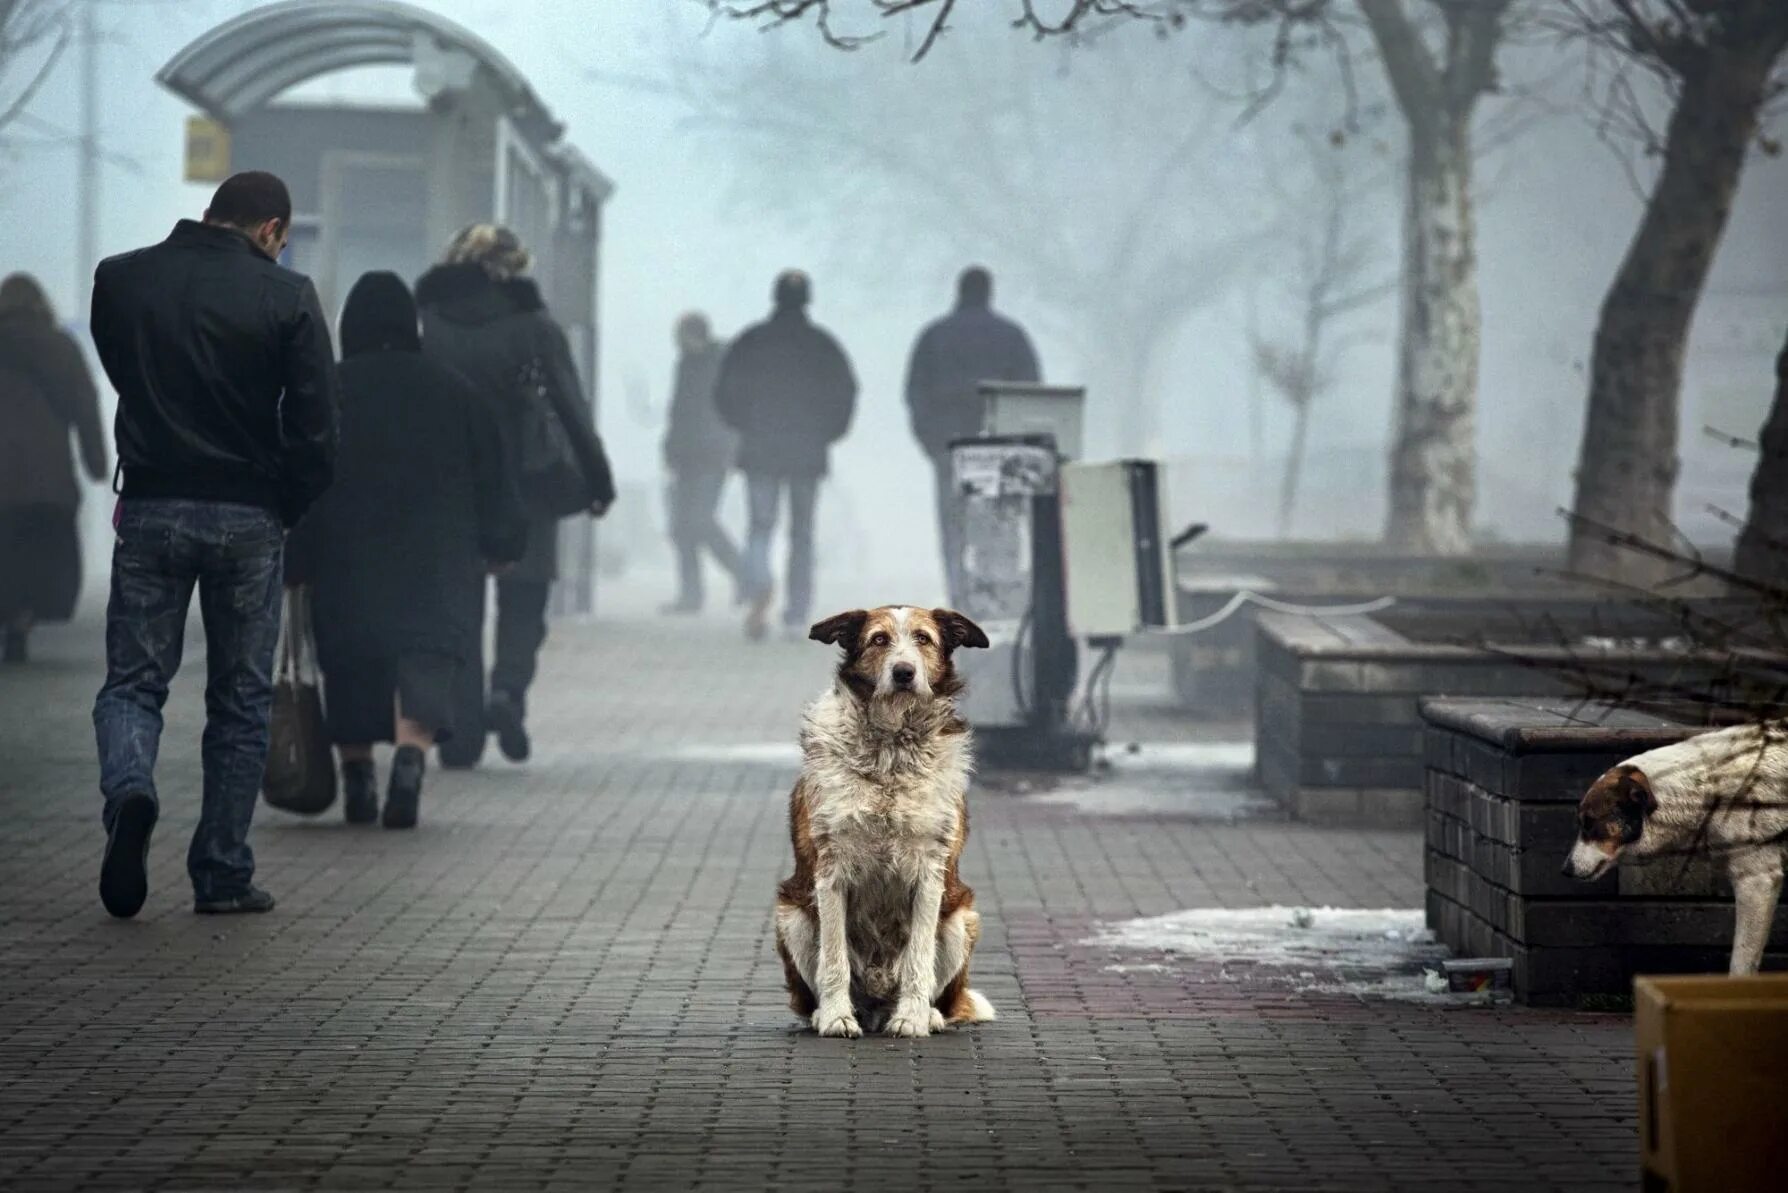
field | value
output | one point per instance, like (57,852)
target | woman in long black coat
(396,552)
(45,392)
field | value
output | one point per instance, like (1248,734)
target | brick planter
(1503,778)
(1338,727)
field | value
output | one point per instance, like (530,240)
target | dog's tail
(973,1007)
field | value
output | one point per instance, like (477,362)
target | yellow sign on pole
(207,150)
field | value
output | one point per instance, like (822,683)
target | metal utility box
(1115,540)
(385,185)
(1022,408)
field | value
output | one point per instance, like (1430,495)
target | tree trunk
(1294,468)
(1433,453)
(1626,473)
(1762,552)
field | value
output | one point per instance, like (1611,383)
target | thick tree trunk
(1762,552)
(1433,452)
(1626,473)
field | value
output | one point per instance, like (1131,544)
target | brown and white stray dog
(875,927)
(1723,793)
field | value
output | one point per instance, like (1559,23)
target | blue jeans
(763,493)
(233,553)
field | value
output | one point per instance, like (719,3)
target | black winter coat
(225,378)
(45,390)
(787,388)
(396,551)
(489,332)
(951,358)
(696,439)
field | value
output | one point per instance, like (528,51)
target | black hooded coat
(396,550)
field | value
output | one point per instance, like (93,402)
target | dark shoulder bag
(300,775)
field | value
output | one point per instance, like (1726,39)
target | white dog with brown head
(1723,793)
(875,927)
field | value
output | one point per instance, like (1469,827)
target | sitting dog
(875,927)
(1723,793)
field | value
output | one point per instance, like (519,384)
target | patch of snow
(1373,952)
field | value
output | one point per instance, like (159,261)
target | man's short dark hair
(792,290)
(250,199)
(975,286)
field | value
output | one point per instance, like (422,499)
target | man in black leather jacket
(226,434)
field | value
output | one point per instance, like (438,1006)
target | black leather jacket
(225,376)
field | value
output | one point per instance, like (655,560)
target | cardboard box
(1712,1066)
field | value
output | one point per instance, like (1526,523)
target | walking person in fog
(45,391)
(950,359)
(226,434)
(484,319)
(698,450)
(396,551)
(787,388)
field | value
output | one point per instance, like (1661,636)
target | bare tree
(1721,64)
(33,34)
(1438,68)
(1330,283)
(1762,552)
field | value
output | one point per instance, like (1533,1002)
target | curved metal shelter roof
(245,62)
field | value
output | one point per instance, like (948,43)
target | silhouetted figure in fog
(698,451)
(950,359)
(45,391)
(481,317)
(787,388)
(396,551)
(226,434)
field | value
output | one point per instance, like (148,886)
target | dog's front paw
(911,1022)
(938,1022)
(829,1021)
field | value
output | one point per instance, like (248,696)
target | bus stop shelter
(385,185)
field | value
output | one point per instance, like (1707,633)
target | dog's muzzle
(903,675)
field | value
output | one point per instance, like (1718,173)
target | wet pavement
(563,978)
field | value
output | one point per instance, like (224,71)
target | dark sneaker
(253,899)
(404,796)
(504,716)
(359,792)
(124,874)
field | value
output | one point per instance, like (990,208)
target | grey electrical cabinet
(1115,544)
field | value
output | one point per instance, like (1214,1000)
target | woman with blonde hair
(45,392)
(483,317)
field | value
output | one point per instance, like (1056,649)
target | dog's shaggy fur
(1722,793)
(875,927)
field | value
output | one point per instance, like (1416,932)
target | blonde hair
(491,247)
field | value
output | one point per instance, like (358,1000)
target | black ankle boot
(404,794)
(359,792)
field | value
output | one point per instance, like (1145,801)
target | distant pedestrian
(698,451)
(483,318)
(396,551)
(951,358)
(226,434)
(45,391)
(787,388)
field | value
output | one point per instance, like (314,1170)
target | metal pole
(88,197)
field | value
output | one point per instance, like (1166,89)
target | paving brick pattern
(563,980)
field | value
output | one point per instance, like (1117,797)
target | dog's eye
(922,638)
(880,639)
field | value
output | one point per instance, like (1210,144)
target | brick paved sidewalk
(563,978)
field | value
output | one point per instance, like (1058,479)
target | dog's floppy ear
(958,630)
(840,629)
(1636,792)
